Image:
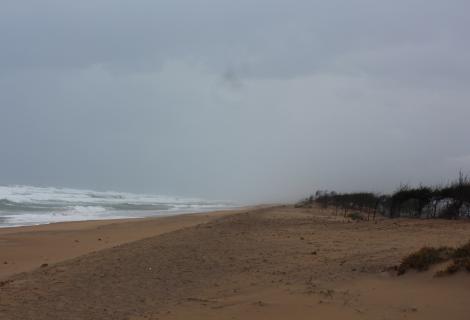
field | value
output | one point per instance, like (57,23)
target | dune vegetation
(450,201)
(426,257)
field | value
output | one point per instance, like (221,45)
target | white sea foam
(28,205)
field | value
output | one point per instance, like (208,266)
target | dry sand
(27,248)
(270,263)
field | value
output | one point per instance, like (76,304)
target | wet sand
(269,263)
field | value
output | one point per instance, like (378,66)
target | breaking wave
(27,205)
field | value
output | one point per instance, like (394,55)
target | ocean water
(28,205)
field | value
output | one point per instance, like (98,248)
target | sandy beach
(26,248)
(234,160)
(264,263)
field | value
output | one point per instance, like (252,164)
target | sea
(29,205)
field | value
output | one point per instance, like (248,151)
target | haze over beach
(301,159)
(248,101)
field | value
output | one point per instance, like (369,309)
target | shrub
(455,266)
(424,258)
(428,256)
(462,252)
(451,201)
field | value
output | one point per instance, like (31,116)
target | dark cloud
(240,100)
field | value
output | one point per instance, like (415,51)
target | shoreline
(156,215)
(25,248)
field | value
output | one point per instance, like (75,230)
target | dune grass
(426,257)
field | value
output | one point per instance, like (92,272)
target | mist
(248,101)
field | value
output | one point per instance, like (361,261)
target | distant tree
(405,201)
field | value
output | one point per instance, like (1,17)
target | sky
(253,101)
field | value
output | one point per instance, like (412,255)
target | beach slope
(275,262)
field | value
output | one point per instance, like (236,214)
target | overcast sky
(240,100)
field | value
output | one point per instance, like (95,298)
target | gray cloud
(243,100)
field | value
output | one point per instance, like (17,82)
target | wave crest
(25,205)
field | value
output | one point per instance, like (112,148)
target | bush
(462,252)
(455,266)
(424,258)
(428,256)
(451,201)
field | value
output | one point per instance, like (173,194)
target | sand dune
(269,263)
